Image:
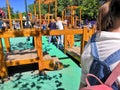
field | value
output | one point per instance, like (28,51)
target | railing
(37,34)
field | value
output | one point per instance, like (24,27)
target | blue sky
(18,5)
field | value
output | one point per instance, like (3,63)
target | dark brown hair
(115,10)
(104,19)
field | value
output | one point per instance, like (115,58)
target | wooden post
(62,15)
(39,9)
(21,23)
(35,8)
(7,44)
(73,20)
(3,69)
(39,50)
(83,39)
(80,15)
(71,16)
(35,42)
(48,19)
(65,42)
(9,14)
(30,16)
(49,8)
(55,8)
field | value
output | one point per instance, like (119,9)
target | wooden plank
(62,32)
(19,33)
(65,43)
(35,32)
(75,56)
(23,57)
(39,51)
(21,62)
(72,7)
(48,1)
(7,44)
(3,69)
(74,52)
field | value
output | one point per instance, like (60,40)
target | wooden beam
(39,9)
(7,44)
(72,7)
(9,14)
(21,62)
(48,1)
(63,32)
(35,32)
(39,51)
(56,8)
(35,8)
(21,20)
(20,33)
(3,69)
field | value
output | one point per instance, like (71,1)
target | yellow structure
(48,2)
(73,19)
(37,34)
(48,17)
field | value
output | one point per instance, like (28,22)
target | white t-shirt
(59,25)
(107,43)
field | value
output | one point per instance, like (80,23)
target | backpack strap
(114,57)
(113,76)
(94,47)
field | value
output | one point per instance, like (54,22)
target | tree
(31,8)
(6,12)
(89,8)
(16,14)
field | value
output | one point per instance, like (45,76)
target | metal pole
(27,18)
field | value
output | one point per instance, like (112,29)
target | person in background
(59,24)
(107,38)
(37,24)
(4,26)
(17,25)
(34,19)
(27,24)
(44,25)
(1,22)
(52,26)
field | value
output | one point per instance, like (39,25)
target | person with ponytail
(107,40)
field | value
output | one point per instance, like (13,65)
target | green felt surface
(66,79)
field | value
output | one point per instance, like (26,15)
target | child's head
(103,19)
(115,10)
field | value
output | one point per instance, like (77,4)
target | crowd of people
(54,24)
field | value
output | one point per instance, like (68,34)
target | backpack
(103,86)
(100,68)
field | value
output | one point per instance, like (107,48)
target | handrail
(37,33)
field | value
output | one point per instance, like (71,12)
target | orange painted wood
(39,51)
(3,69)
(21,62)
(7,44)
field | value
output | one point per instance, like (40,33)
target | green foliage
(89,8)
(13,15)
